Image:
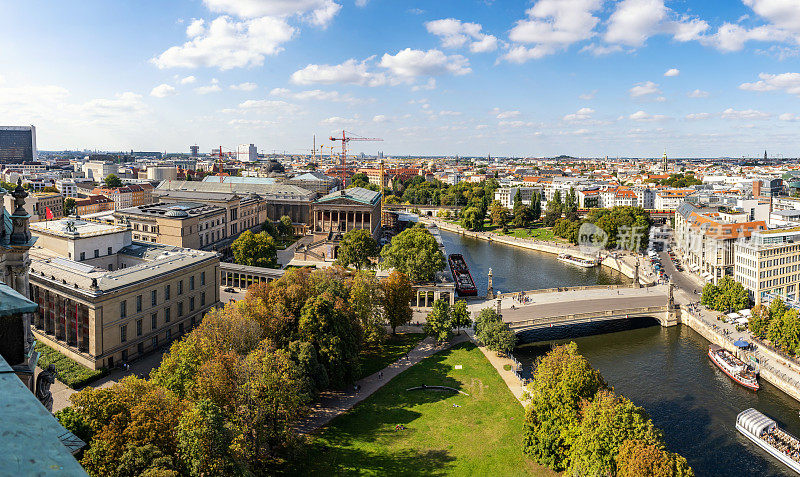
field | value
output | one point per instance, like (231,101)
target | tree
(759,321)
(69,206)
(255,250)
(334,336)
(459,315)
(73,421)
(536,206)
(269,227)
(365,302)
(357,248)
(637,458)
(438,322)
(562,380)
(571,206)
(498,337)
(522,216)
(203,440)
(285,226)
(397,295)
(112,181)
(499,214)
(415,253)
(554,210)
(725,296)
(472,219)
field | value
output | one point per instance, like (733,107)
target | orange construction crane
(347,137)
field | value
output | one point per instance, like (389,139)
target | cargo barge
(465,285)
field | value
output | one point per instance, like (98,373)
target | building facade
(17,144)
(768,266)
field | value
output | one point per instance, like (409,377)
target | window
(138,327)
(180,308)
(123,333)
(123,309)
(180,328)
(109,250)
(191,282)
(138,303)
(169,335)
(180,287)
(140,348)
(166,293)
(155,342)
(154,321)
(83,256)
(191,304)
(124,355)
(203,299)
(96,253)
(202,278)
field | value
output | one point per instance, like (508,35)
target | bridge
(527,311)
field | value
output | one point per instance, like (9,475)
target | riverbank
(621,262)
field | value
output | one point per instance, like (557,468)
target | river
(666,371)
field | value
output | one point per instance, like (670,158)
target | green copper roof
(12,302)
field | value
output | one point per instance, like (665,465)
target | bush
(69,372)
(507,367)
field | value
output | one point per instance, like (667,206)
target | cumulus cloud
(696,116)
(789,117)
(500,114)
(349,72)
(552,26)
(265,106)
(786,82)
(698,93)
(123,103)
(243,86)
(731,113)
(315,95)
(380,118)
(581,115)
(672,72)
(226,43)
(643,116)
(410,63)
(644,89)
(317,12)
(162,91)
(456,34)
(188,80)
(337,120)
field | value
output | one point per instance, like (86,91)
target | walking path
(333,403)
(514,384)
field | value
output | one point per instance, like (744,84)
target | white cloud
(265,106)
(244,86)
(162,91)
(409,64)
(581,115)
(731,113)
(698,93)
(124,103)
(380,118)
(188,80)
(696,116)
(588,96)
(787,82)
(784,14)
(317,12)
(732,37)
(316,95)
(349,72)
(601,50)
(672,72)
(226,43)
(212,88)
(515,124)
(341,121)
(644,89)
(551,26)
(643,116)
(429,86)
(634,21)
(789,117)
(456,34)
(505,114)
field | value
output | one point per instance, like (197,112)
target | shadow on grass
(341,461)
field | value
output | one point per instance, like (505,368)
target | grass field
(482,436)
(396,346)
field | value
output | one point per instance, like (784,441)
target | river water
(666,371)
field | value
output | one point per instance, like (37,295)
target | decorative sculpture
(43,382)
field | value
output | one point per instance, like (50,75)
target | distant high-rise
(665,162)
(195,150)
(247,153)
(765,155)
(17,144)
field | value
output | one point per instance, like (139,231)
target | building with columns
(115,299)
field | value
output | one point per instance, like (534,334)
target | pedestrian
(380,375)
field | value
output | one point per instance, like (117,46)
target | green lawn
(481,437)
(374,360)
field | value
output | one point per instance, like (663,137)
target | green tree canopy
(255,250)
(112,181)
(69,206)
(438,322)
(725,296)
(415,253)
(357,248)
(459,315)
(397,295)
(472,218)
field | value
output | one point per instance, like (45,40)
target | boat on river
(577,261)
(465,285)
(765,433)
(734,367)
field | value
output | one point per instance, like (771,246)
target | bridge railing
(606,314)
(561,289)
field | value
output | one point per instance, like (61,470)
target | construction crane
(347,137)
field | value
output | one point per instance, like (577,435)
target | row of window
(96,253)
(123,329)
(123,305)
(140,349)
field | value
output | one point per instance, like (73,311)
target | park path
(334,403)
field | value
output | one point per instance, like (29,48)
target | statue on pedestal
(43,382)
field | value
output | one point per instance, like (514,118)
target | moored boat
(580,262)
(765,433)
(465,285)
(734,367)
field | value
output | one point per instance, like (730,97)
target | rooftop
(358,194)
(179,210)
(75,228)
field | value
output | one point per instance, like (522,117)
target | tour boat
(766,434)
(465,285)
(581,262)
(734,367)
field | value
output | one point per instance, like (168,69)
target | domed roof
(176,213)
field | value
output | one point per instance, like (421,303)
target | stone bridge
(531,311)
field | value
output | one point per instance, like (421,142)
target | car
(230,290)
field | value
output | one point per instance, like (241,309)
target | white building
(671,199)
(97,171)
(162,173)
(505,195)
(247,153)
(67,188)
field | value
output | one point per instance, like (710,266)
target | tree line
(778,324)
(575,423)
(225,398)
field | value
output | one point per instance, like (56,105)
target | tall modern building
(195,150)
(17,144)
(247,153)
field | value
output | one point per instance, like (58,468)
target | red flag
(48,214)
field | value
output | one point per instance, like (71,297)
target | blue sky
(470,77)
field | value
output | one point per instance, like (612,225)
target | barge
(580,262)
(734,367)
(765,433)
(465,285)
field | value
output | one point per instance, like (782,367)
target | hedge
(69,372)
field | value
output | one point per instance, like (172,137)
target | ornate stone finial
(489,287)
(20,233)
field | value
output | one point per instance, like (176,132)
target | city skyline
(582,77)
